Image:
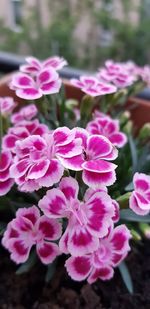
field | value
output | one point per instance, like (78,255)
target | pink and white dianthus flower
(22,130)
(117,73)
(27,87)
(140,198)
(100,264)
(7,105)
(25,113)
(97,151)
(88,220)
(6,182)
(30,229)
(105,125)
(38,159)
(34,65)
(92,86)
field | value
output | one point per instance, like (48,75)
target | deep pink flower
(7,105)
(29,229)
(46,82)
(97,151)
(38,159)
(34,65)
(21,131)
(100,264)
(5,180)
(92,86)
(140,198)
(87,220)
(105,125)
(25,113)
(120,74)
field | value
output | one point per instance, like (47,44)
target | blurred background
(85,32)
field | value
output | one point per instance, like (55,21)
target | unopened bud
(145,229)
(145,132)
(128,127)
(135,235)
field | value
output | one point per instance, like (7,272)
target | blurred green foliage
(125,39)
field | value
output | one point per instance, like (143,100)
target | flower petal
(78,268)
(69,187)
(104,273)
(98,147)
(50,229)
(53,204)
(47,252)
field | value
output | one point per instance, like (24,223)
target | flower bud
(135,235)
(145,229)
(145,132)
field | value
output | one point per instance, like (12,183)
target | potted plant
(74,177)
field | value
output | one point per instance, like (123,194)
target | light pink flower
(100,264)
(140,198)
(105,125)
(97,151)
(34,66)
(38,159)
(21,131)
(7,105)
(5,180)
(87,220)
(92,86)
(117,73)
(25,113)
(29,229)
(45,82)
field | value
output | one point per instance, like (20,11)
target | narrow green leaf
(129,215)
(50,271)
(126,277)
(24,268)
(133,153)
(129,187)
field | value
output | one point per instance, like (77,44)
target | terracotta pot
(140,109)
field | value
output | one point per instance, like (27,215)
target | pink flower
(5,180)
(21,131)
(46,82)
(7,105)
(100,264)
(29,229)
(140,198)
(97,151)
(92,86)
(117,73)
(108,127)
(34,66)
(38,159)
(25,113)
(87,220)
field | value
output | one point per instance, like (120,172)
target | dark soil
(29,291)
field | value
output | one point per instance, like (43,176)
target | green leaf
(133,154)
(24,268)
(129,215)
(129,187)
(126,277)
(50,271)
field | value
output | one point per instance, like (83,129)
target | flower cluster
(71,168)
(105,125)
(28,229)
(120,74)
